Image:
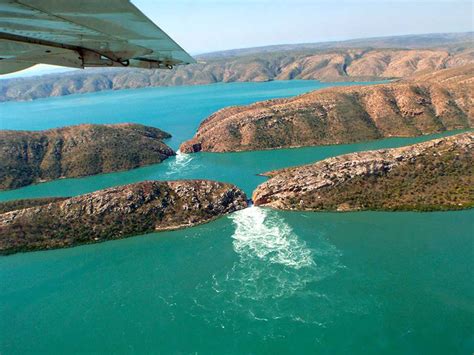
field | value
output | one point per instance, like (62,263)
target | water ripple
(264,235)
(181,161)
(274,278)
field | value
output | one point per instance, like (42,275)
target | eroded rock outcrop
(28,157)
(424,104)
(116,213)
(434,175)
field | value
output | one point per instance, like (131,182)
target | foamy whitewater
(272,273)
(181,161)
(264,235)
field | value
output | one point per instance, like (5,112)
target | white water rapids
(264,235)
(275,270)
(181,162)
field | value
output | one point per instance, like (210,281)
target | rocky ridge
(116,213)
(434,175)
(422,104)
(28,157)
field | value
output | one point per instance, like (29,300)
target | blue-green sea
(258,281)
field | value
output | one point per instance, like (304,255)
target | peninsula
(423,104)
(430,176)
(117,212)
(28,157)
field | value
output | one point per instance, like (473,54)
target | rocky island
(28,157)
(426,103)
(429,176)
(116,213)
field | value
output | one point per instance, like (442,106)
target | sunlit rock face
(423,104)
(434,175)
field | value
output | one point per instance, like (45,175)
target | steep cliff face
(116,213)
(347,64)
(422,104)
(28,157)
(434,175)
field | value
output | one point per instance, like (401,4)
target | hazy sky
(201,26)
(208,25)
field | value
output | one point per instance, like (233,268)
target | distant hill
(415,41)
(355,60)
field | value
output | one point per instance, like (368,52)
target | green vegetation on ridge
(28,157)
(431,176)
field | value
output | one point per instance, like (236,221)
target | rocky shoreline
(429,176)
(117,213)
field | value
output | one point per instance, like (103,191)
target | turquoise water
(177,110)
(258,281)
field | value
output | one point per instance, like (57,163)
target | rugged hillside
(116,213)
(14,205)
(422,104)
(434,175)
(362,63)
(28,157)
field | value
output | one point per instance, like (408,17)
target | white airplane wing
(82,33)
